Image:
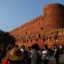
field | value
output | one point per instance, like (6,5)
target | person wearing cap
(14,55)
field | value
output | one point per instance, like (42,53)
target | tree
(5,40)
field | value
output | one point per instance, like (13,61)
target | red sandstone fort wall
(43,29)
(29,31)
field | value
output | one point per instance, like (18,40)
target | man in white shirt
(45,55)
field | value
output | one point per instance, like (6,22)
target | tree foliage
(6,40)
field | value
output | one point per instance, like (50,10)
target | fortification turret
(54,16)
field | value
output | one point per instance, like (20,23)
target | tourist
(34,54)
(45,55)
(6,61)
(56,54)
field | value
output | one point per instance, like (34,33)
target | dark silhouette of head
(35,46)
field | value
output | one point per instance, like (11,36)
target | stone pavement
(52,59)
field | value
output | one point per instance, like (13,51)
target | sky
(14,13)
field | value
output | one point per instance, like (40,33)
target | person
(45,55)
(56,54)
(14,55)
(6,61)
(34,54)
(24,51)
(28,55)
(61,49)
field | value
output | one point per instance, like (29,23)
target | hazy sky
(14,13)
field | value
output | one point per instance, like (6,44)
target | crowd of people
(32,55)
